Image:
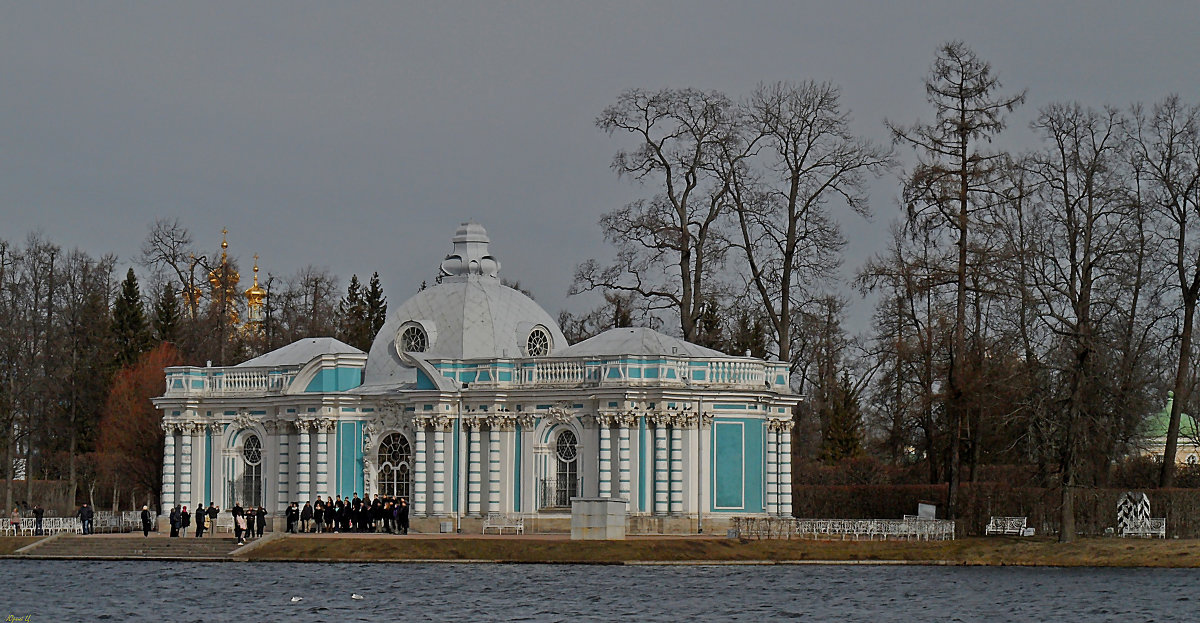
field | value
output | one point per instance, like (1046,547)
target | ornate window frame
(414,333)
(539,342)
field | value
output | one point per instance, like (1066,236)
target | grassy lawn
(973,551)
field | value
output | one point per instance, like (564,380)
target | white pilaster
(185,466)
(785,470)
(660,467)
(419,469)
(493,504)
(304,459)
(623,489)
(322,484)
(473,475)
(439,470)
(605,457)
(676,467)
(283,470)
(168,493)
(772,470)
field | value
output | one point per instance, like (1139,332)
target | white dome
(470,315)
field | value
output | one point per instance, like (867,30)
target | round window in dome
(538,344)
(413,339)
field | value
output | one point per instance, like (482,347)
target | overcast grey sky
(356,136)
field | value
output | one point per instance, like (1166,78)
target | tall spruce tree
(354,325)
(376,306)
(130,330)
(166,315)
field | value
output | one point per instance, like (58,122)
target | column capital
(527,421)
(170,428)
(501,421)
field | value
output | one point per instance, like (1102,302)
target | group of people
(386,514)
(247,522)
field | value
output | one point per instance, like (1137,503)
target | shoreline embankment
(667,550)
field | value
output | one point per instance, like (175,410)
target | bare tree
(797,162)
(1168,141)
(669,246)
(1081,253)
(953,185)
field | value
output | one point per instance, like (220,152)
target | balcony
(184,381)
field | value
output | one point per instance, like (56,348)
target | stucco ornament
(243,420)
(560,413)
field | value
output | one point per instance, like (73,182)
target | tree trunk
(1182,390)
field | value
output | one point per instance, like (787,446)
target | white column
(605,457)
(785,470)
(304,458)
(772,469)
(283,471)
(493,504)
(676,467)
(473,475)
(660,467)
(185,466)
(168,493)
(419,469)
(439,470)
(322,484)
(623,488)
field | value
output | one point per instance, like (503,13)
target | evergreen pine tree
(166,315)
(376,307)
(130,331)
(843,429)
(353,324)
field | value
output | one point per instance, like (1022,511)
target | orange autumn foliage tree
(131,438)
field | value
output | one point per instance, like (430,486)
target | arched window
(538,344)
(251,485)
(413,340)
(566,457)
(395,466)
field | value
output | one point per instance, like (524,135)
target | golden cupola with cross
(256,297)
(223,279)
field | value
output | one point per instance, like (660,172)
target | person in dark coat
(293,515)
(402,515)
(85,515)
(174,517)
(306,516)
(185,521)
(38,513)
(145,521)
(260,520)
(213,511)
(237,527)
(201,517)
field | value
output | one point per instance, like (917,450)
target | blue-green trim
(517,473)
(641,464)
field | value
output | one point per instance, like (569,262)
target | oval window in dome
(413,339)
(538,343)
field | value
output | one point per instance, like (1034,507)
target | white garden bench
(1014,526)
(500,521)
(1152,527)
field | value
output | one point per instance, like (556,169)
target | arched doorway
(395,467)
(566,473)
(250,489)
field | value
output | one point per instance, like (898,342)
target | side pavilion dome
(469,315)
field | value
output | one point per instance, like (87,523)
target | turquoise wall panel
(349,459)
(728,465)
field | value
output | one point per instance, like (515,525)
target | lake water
(252,592)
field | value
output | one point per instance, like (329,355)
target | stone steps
(97,546)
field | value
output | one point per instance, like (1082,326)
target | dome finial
(470,255)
